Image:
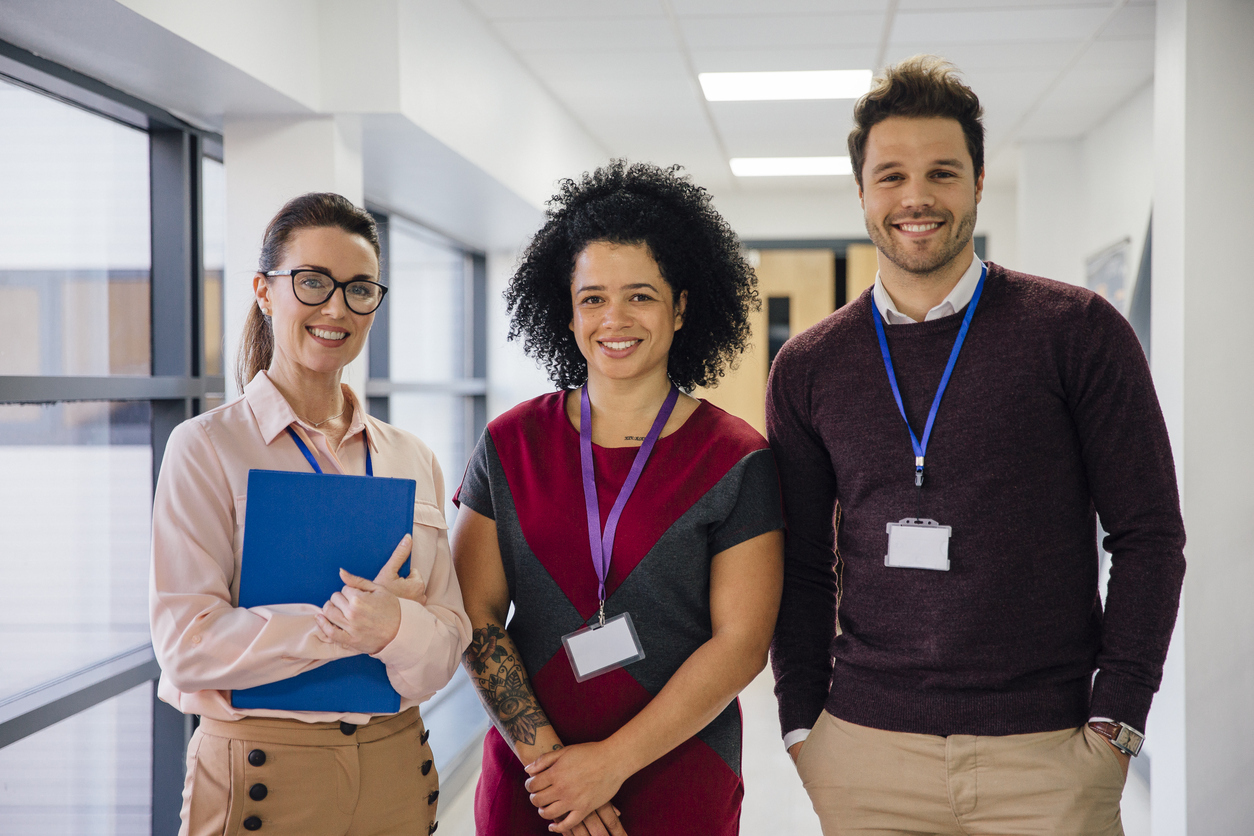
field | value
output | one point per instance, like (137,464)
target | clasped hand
(366,615)
(575,784)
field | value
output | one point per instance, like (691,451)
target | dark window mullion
(177,350)
(477,325)
(378,363)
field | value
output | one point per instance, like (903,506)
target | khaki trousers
(867,781)
(282,776)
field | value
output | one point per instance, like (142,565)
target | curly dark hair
(695,249)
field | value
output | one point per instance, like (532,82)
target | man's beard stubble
(923,263)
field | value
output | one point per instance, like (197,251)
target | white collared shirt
(951,304)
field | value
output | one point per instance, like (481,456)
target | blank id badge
(595,650)
(918,544)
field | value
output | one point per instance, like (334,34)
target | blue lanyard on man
(915,542)
(920,447)
(314,462)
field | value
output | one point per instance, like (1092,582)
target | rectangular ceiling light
(790,166)
(819,84)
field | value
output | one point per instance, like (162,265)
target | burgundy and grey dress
(708,486)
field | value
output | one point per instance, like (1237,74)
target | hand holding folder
(300,530)
(365,616)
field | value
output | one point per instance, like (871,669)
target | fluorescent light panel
(790,166)
(818,84)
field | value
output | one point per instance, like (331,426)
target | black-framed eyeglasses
(314,287)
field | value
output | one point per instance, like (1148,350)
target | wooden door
(802,282)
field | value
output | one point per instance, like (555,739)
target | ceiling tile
(997,25)
(788,32)
(778,7)
(615,69)
(1107,89)
(969,57)
(1081,101)
(836,188)
(1118,55)
(780,59)
(587,35)
(1130,23)
(549,9)
(1059,122)
(984,5)
(783,129)
(619,68)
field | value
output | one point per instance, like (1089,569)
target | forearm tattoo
(493,663)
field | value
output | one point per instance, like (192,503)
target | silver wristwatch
(1122,736)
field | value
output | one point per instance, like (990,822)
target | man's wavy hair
(695,249)
(922,86)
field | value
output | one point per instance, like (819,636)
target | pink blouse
(205,644)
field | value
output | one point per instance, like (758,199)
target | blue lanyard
(314,462)
(920,447)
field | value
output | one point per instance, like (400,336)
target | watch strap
(1122,736)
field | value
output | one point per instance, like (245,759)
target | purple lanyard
(603,546)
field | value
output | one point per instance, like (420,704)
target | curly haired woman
(635,530)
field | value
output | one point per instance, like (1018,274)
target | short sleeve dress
(708,486)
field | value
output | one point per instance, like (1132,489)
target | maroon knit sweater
(1050,420)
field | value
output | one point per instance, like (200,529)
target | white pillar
(1203,722)
(268,162)
(513,377)
(1051,208)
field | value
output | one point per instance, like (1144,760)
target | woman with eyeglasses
(308,772)
(635,530)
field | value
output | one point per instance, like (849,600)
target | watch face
(1129,740)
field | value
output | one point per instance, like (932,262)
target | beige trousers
(867,781)
(281,776)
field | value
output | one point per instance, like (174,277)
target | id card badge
(595,650)
(918,544)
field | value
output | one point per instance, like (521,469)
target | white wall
(758,212)
(1117,159)
(1078,196)
(1204,115)
(998,222)
(513,377)
(1051,210)
(270,161)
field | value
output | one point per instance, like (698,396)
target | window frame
(177,389)
(471,382)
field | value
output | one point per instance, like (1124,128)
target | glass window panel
(440,421)
(90,773)
(213,178)
(427,298)
(77,498)
(74,240)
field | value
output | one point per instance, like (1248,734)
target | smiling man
(946,443)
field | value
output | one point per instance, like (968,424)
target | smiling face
(625,312)
(919,193)
(324,338)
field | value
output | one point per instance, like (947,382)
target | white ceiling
(626,69)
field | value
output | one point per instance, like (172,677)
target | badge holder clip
(916,543)
(594,650)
